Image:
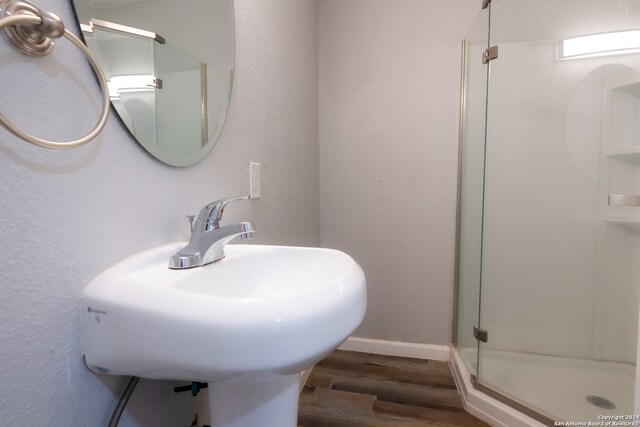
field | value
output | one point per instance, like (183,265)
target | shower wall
(565,279)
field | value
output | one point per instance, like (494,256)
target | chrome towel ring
(30,31)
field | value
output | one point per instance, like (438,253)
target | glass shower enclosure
(548,271)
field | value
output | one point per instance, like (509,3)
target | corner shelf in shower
(630,87)
(629,222)
(628,154)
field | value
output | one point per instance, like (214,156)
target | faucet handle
(212,213)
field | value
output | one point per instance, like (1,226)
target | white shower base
(556,386)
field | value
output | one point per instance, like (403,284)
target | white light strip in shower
(600,45)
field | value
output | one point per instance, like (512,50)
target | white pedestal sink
(247,324)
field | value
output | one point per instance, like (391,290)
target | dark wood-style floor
(349,389)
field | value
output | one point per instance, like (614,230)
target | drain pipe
(117,413)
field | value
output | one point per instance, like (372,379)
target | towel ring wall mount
(30,30)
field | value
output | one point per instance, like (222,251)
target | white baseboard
(397,348)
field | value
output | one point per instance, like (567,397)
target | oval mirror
(170,69)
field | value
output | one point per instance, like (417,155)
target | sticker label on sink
(97,314)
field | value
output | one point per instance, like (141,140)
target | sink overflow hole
(600,402)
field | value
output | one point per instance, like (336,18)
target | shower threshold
(559,388)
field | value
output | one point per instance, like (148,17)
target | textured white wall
(67,215)
(389,105)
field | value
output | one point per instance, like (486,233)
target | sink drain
(601,402)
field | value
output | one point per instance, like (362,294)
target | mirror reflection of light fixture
(614,43)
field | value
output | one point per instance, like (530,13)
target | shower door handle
(624,200)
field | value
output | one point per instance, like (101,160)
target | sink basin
(246,324)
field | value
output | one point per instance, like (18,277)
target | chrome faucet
(208,238)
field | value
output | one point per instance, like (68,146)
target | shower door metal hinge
(480,334)
(490,54)
(485,3)
(156,82)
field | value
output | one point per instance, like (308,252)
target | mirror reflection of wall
(170,65)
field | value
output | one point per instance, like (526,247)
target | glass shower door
(128,60)
(472,146)
(560,271)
